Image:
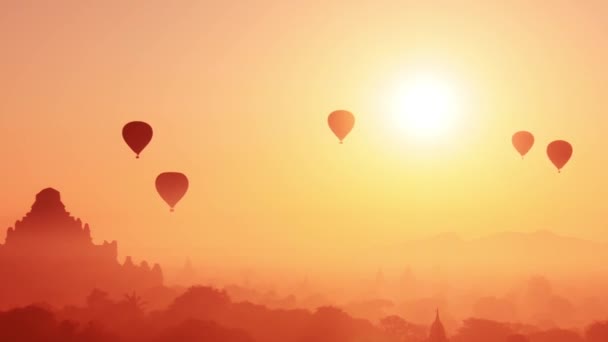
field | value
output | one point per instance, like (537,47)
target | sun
(425,107)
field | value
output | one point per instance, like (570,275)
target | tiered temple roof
(50,256)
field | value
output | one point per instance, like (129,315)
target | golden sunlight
(425,107)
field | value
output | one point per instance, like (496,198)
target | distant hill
(507,252)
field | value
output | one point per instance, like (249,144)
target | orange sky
(238,94)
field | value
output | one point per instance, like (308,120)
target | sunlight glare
(425,107)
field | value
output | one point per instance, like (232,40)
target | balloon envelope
(171,187)
(137,135)
(341,122)
(523,142)
(559,152)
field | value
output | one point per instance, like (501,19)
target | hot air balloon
(137,135)
(559,152)
(171,187)
(523,142)
(341,122)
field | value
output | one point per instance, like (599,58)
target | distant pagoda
(49,257)
(437,332)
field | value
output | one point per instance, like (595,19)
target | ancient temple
(49,256)
(437,332)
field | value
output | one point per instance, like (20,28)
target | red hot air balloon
(341,122)
(171,187)
(137,135)
(523,142)
(559,152)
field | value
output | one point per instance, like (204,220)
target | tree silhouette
(402,330)
(517,338)
(98,299)
(555,335)
(481,330)
(597,332)
(196,330)
(134,302)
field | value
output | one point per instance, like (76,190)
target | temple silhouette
(49,256)
(437,331)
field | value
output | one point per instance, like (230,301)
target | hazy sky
(238,94)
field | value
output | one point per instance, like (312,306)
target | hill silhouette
(511,252)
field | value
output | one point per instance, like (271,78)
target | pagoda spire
(437,333)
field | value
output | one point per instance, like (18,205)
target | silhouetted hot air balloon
(523,142)
(137,135)
(171,186)
(559,152)
(341,122)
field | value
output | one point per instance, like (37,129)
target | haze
(238,95)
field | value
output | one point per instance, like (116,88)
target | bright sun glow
(426,107)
